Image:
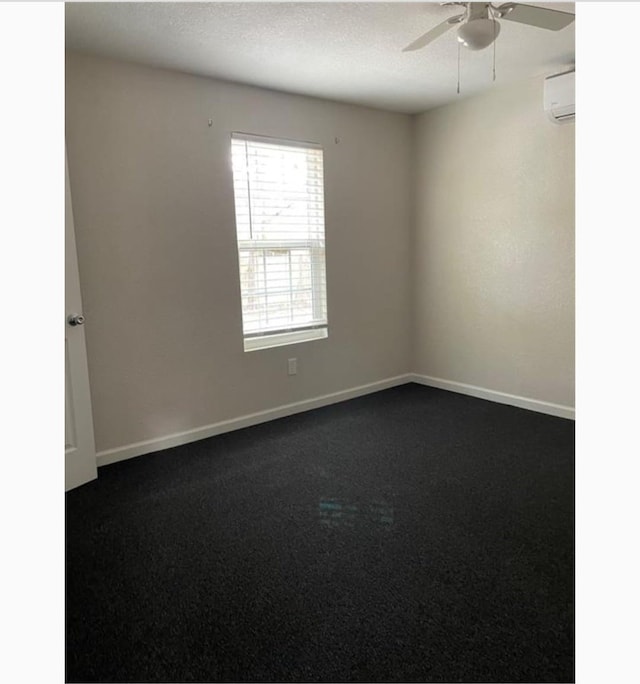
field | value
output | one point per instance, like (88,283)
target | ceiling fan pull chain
(458,68)
(494,50)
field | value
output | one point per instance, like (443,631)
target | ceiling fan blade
(554,20)
(434,33)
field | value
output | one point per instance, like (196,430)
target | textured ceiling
(347,51)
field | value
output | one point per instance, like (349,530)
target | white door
(80,450)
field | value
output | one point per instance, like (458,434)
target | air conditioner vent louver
(559,97)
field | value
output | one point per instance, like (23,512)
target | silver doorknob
(76,319)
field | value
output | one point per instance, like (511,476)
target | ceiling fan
(479,26)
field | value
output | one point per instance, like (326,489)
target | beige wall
(494,246)
(450,240)
(154,215)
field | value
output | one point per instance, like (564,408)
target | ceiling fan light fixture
(478,34)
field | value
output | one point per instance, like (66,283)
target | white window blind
(279,202)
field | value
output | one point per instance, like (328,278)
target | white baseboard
(139,448)
(499,397)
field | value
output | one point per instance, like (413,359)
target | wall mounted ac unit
(560,97)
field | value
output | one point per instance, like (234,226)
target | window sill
(282,339)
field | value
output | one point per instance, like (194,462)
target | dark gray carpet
(410,535)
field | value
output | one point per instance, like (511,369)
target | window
(279,201)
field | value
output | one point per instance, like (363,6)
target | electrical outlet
(292,366)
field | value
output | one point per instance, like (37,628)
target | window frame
(285,335)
